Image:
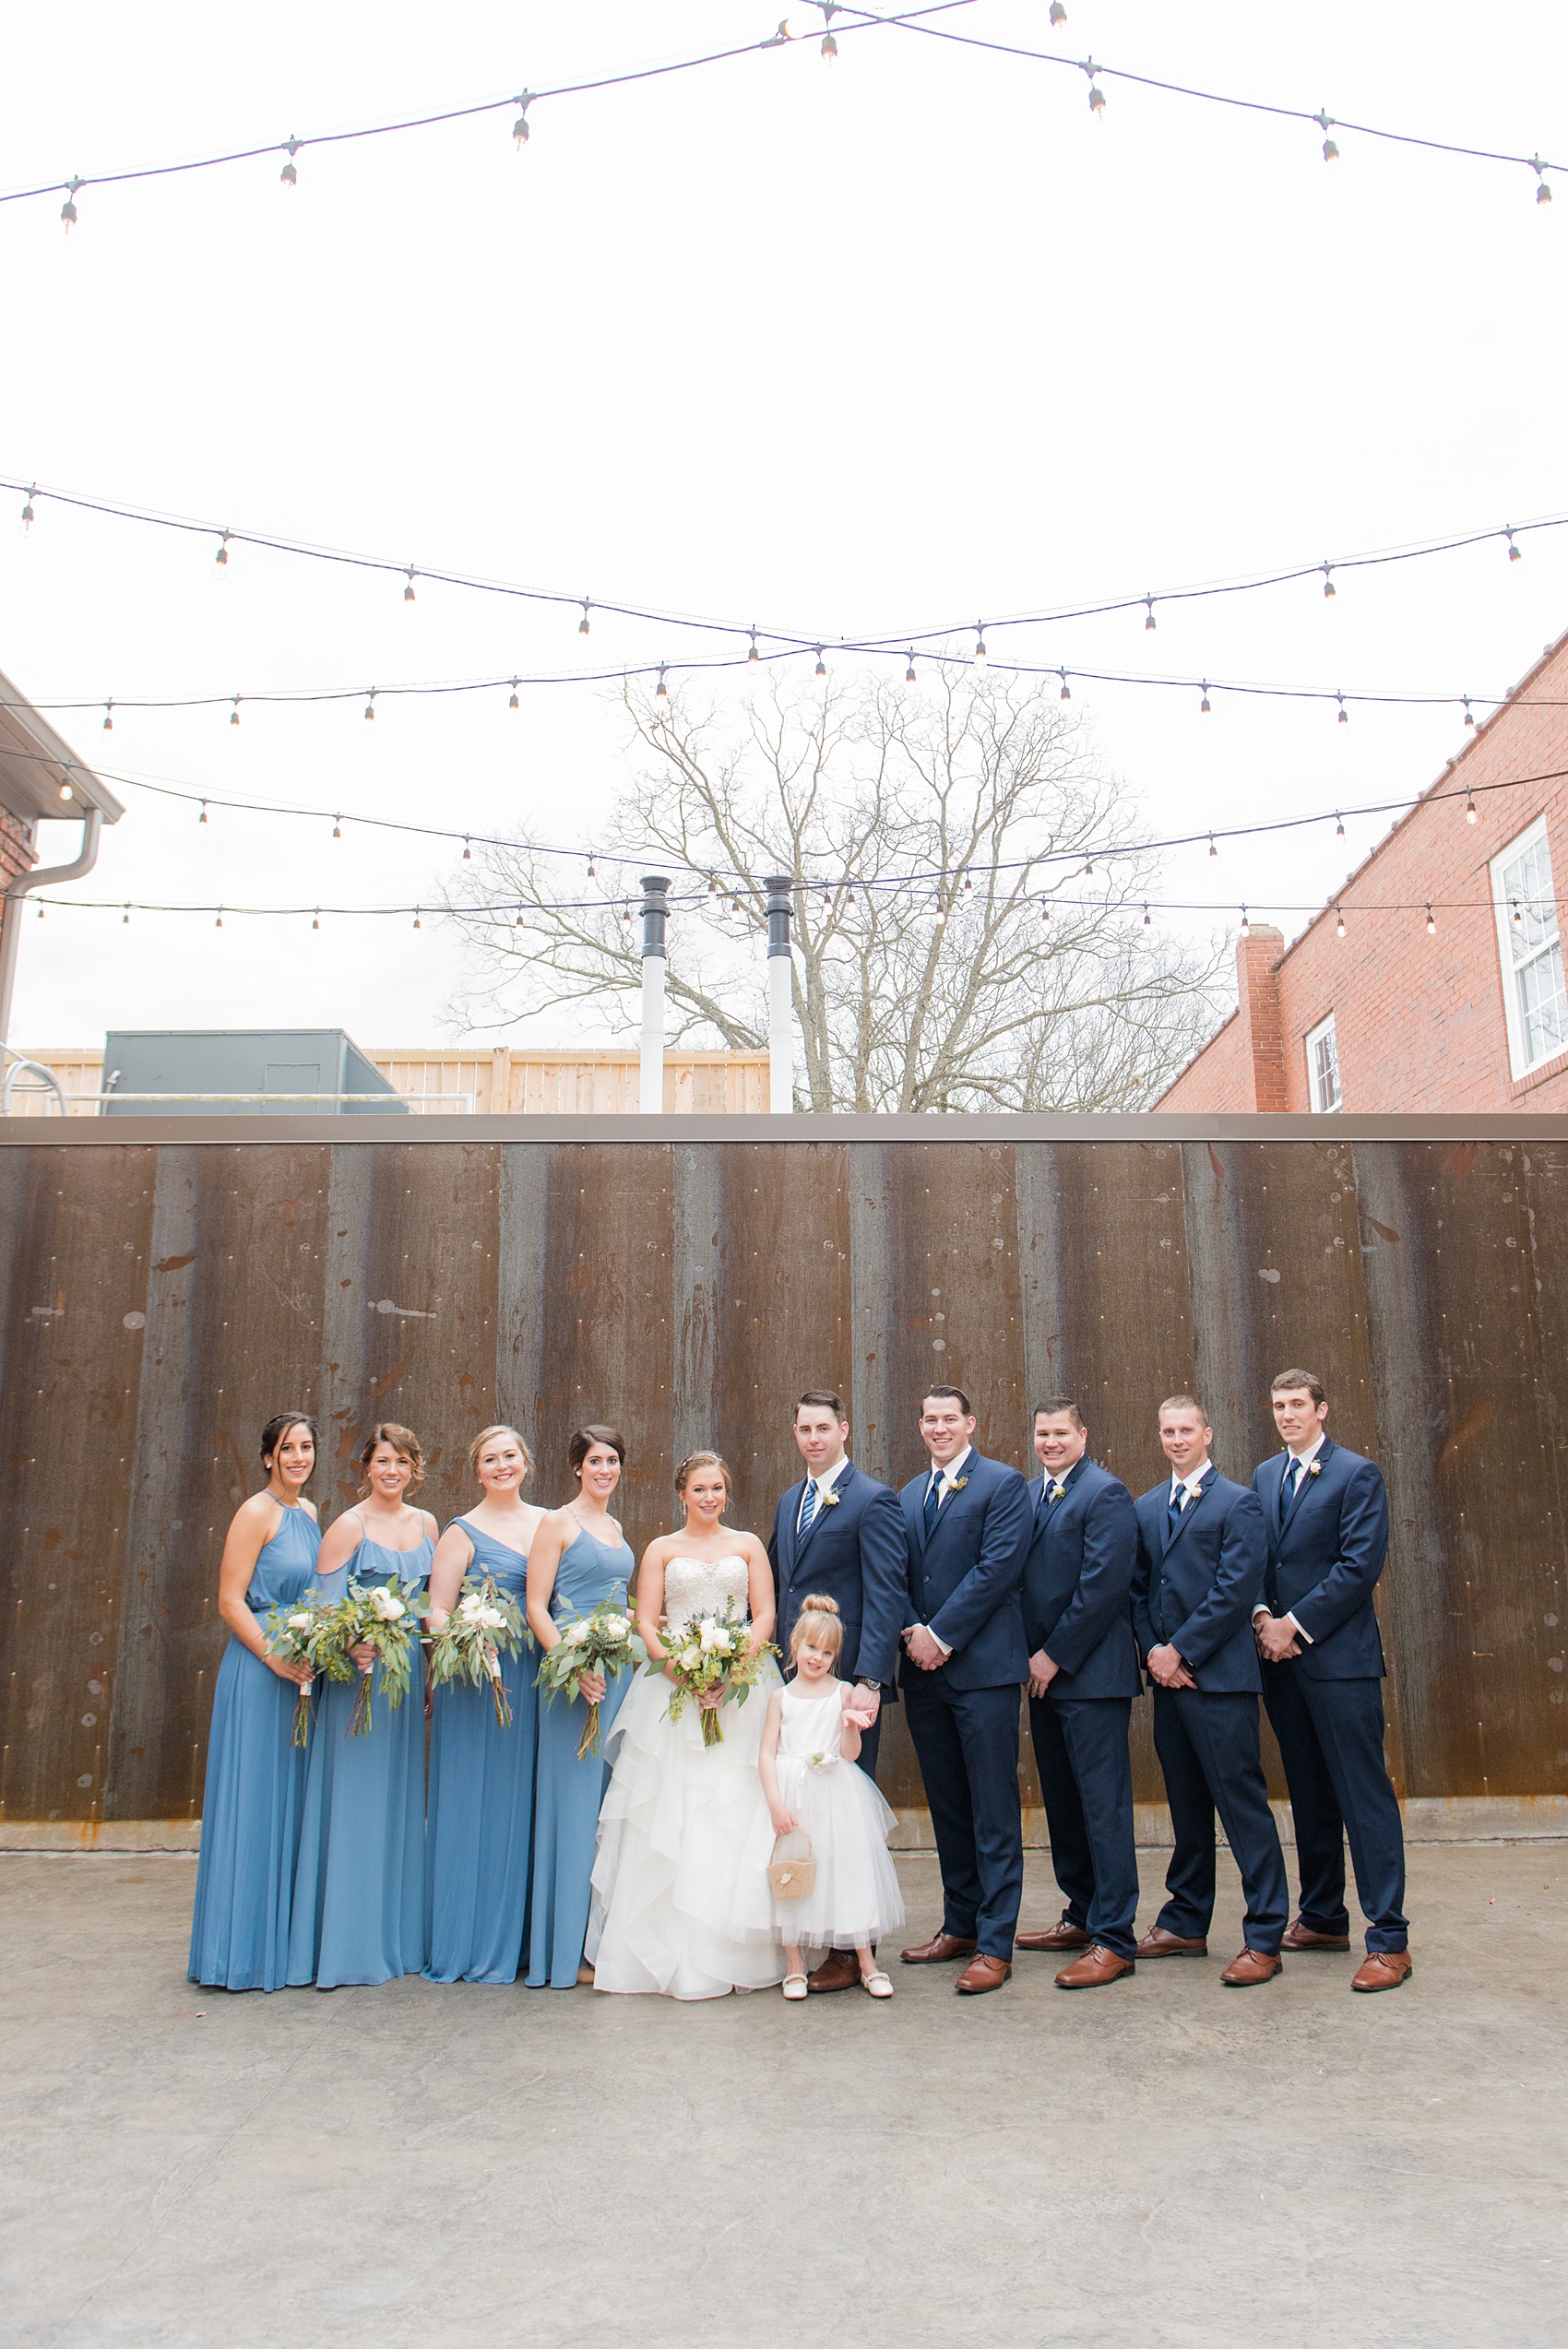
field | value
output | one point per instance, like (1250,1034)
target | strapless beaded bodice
(693,1586)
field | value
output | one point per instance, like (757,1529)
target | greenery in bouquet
(713,1652)
(292,1633)
(485,1624)
(384,1615)
(603,1641)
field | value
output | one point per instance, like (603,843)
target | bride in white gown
(676,1814)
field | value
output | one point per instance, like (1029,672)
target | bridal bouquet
(486,1624)
(602,1642)
(384,1615)
(713,1652)
(292,1635)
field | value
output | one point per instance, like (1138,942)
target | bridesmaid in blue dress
(579,1557)
(480,1828)
(250,1821)
(359,1886)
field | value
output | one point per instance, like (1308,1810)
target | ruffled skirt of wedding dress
(672,1833)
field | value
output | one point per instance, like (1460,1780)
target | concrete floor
(1159,2165)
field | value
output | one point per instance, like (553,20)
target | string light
(337,827)
(108,718)
(1212,850)
(713,884)
(1328,587)
(1058,14)
(1470,810)
(28,516)
(909,673)
(520,127)
(1097,95)
(416,917)
(752,655)
(370,705)
(202,817)
(234,712)
(67,789)
(1518,916)
(1148,620)
(468,852)
(1514,556)
(221,557)
(1324,122)
(1344,713)
(1432,925)
(408,590)
(1044,913)
(590,868)
(821,670)
(1338,825)
(1246,925)
(1067,692)
(68,209)
(125,918)
(288,175)
(219,923)
(979,656)
(1469,714)
(583,622)
(512,702)
(316,923)
(1146,917)
(1339,923)
(1543,193)
(518,924)
(660,692)
(1202,705)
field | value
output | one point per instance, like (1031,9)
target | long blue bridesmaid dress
(359,1883)
(568,1792)
(481,1819)
(250,1814)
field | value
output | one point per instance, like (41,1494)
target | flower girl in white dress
(812,1787)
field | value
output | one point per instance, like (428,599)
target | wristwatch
(864,1683)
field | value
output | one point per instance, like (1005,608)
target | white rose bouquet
(602,1642)
(713,1652)
(292,1633)
(486,1624)
(384,1615)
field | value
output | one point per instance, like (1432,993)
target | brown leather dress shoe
(1384,1970)
(1253,1966)
(1097,1965)
(1053,1937)
(839,1970)
(982,1973)
(1301,1937)
(1157,1943)
(939,1950)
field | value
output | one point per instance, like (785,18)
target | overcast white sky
(844,348)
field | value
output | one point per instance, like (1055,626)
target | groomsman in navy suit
(1202,1555)
(841,1534)
(1326,1513)
(1083,1676)
(967,1524)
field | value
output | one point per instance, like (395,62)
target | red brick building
(1471,1014)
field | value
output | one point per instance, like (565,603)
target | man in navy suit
(1202,1554)
(1327,1513)
(1083,1676)
(966,1529)
(840,1535)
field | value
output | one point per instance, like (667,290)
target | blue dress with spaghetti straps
(359,1882)
(479,1828)
(568,1792)
(249,1820)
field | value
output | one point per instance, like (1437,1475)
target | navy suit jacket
(1077,1578)
(966,1583)
(1326,1551)
(853,1553)
(1198,1590)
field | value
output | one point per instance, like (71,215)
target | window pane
(1325,1069)
(1543,1005)
(1527,885)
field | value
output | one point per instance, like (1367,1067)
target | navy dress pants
(1085,1780)
(1208,1753)
(1330,1735)
(966,1741)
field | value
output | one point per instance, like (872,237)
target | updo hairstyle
(694,1460)
(278,1428)
(818,1622)
(582,1443)
(488,1435)
(404,1442)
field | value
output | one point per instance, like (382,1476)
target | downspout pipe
(780,1009)
(42,876)
(655,914)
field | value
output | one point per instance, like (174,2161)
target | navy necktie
(1293,1476)
(932,1499)
(808,1504)
(1177,1503)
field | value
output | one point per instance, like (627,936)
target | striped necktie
(808,1504)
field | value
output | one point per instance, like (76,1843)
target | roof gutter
(41,876)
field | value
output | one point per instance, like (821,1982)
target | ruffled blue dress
(568,1792)
(250,1818)
(479,1828)
(359,1884)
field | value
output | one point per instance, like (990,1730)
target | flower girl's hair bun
(819,1622)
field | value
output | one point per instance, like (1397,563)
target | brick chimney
(1257,999)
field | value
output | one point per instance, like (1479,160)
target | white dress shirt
(1306,1459)
(1189,1485)
(948,1478)
(825,1484)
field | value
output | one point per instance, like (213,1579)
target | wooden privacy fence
(160,1297)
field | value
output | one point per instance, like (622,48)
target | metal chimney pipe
(780,1007)
(656,912)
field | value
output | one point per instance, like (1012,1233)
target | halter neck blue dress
(249,1820)
(480,1827)
(359,1881)
(568,1792)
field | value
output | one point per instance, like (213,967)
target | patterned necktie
(933,1498)
(808,1503)
(1293,1476)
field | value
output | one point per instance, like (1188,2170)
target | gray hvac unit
(250,1069)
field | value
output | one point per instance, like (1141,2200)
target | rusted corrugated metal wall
(160,1301)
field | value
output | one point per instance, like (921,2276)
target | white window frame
(1315,1037)
(1534,835)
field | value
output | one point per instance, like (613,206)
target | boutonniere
(1314,1467)
(830,1500)
(1058,1489)
(957,1484)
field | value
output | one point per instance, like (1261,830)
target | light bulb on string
(1058,14)
(1067,692)
(68,209)
(1097,95)
(408,590)
(968,884)
(752,655)
(41,909)
(1146,917)
(1543,193)
(108,718)
(288,175)
(591,870)
(234,712)
(821,668)
(1344,713)
(661,691)
(1338,826)
(713,884)
(125,918)
(520,127)
(1148,620)
(316,919)
(1518,916)
(980,644)
(1469,712)
(909,673)
(518,924)
(512,702)
(1328,587)
(1324,122)
(829,47)
(28,516)
(1044,914)
(1204,705)
(202,817)
(219,923)
(1513,554)
(370,704)
(416,917)
(67,790)
(1470,808)
(1340,922)
(337,827)
(1432,925)
(1246,923)
(1212,850)
(583,622)
(221,557)
(468,852)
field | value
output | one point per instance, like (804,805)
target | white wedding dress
(674,1823)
